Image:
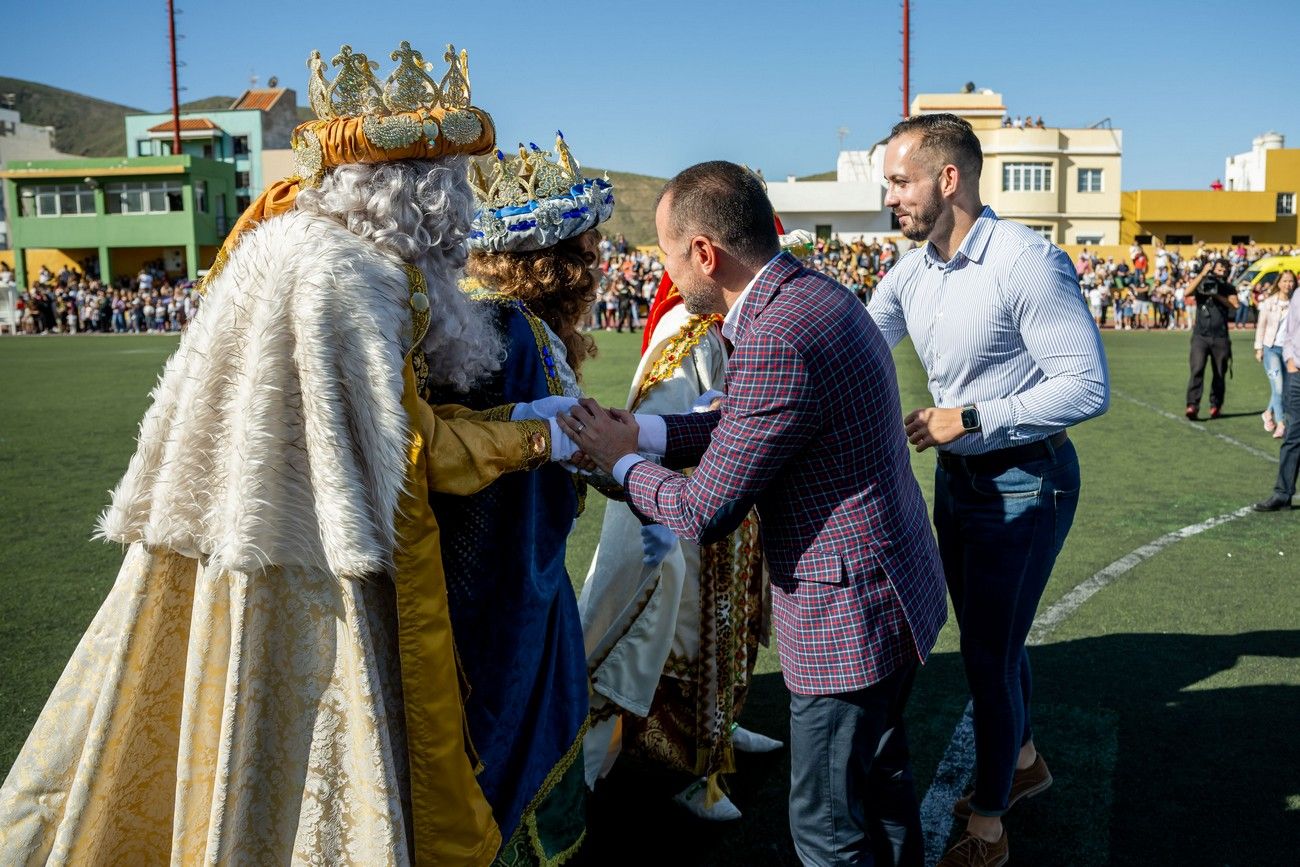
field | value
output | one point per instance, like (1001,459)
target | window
(201,196)
(241,144)
(145,197)
(1178,239)
(243,180)
(1044,230)
(143,148)
(1286,204)
(1090,240)
(1141,239)
(1026,177)
(58,200)
(1090,180)
(242,203)
(823,232)
(1240,239)
(207,151)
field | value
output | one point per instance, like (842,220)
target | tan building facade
(1064,183)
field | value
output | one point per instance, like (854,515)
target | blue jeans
(1289,455)
(1275,370)
(999,535)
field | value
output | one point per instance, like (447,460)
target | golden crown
(531,201)
(355,91)
(530,176)
(408,116)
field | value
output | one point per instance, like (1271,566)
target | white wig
(420,210)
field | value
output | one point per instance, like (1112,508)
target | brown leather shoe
(972,851)
(1033,780)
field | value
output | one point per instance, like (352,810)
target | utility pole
(907,58)
(176,97)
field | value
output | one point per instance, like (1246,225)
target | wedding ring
(579,426)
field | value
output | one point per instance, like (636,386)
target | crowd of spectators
(857,264)
(1143,291)
(71,302)
(629,278)
(1147,291)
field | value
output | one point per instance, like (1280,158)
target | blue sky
(654,87)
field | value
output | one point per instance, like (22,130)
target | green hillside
(634,211)
(83,125)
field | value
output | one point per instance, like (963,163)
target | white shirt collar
(732,319)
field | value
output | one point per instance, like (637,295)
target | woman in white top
(1270,331)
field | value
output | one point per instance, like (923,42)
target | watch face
(970,418)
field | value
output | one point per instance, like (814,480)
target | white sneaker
(692,798)
(746,741)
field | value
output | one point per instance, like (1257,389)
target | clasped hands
(584,434)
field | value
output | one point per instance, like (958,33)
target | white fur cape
(277,434)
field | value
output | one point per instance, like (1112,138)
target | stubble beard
(923,220)
(700,303)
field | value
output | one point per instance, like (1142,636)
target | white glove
(704,403)
(562,447)
(797,238)
(657,542)
(543,408)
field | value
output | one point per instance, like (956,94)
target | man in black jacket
(1215,297)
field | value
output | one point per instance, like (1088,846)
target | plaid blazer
(811,433)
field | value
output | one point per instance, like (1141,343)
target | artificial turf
(1168,705)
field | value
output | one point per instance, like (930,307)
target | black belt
(995,462)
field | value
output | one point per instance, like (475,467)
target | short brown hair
(946,139)
(727,202)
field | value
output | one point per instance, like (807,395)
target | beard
(923,219)
(701,302)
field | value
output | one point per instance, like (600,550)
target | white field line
(953,774)
(1259,453)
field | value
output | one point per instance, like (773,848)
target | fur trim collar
(276,436)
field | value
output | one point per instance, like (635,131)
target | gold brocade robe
(219,716)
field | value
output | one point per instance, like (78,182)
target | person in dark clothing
(1215,299)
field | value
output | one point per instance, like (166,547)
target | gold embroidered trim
(553,384)
(535,440)
(528,822)
(499,413)
(679,346)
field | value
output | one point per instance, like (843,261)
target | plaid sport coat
(811,433)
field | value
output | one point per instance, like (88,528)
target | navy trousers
(999,535)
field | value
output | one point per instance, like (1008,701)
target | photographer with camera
(1215,298)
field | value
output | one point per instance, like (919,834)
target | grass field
(1168,704)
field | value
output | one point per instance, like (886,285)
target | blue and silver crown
(531,203)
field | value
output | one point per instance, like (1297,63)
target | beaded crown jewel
(530,202)
(408,111)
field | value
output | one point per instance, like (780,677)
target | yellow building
(1064,183)
(1258,205)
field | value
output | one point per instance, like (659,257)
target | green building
(117,214)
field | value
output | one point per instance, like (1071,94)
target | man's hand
(1291,367)
(603,435)
(933,427)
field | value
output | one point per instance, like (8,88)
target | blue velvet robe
(513,610)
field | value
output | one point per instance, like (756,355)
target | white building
(22,141)
(1245,172)
(849,207)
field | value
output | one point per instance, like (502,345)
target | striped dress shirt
(1001,325)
